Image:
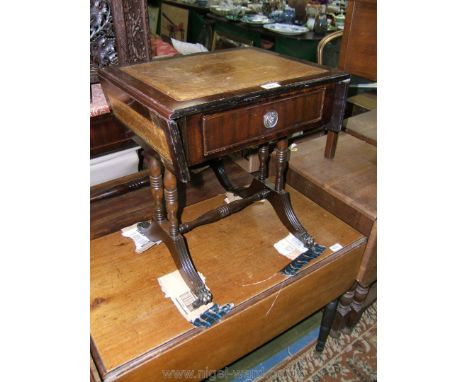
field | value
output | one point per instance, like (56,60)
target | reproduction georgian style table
(194,109)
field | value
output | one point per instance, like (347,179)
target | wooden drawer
(236,128)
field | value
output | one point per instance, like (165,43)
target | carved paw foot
(204,297)
(306,239)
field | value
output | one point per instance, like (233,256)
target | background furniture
(110,44)
(346,185)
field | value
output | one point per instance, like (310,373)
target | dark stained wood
(113,214)
(131,25)
(358,53)
(263,160)
(102,37)
(119,186)
(156,182)
(325,324)
(335,123)
(244,126)
(330,145)
(107,135)
(137,332)
(222,211)
(172,202)
(168,107)
(119,33)
(141,96)
(342,312)
(360,294)
(281,163)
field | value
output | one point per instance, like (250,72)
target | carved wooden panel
(119,33)
(131,27)
(102,37)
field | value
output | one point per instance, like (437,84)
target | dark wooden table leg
(217,165)
(168,230)
(330,145)
(281,201)
(356,307)
(156,182)
(342,313)
(325,325)
(281,163)
(177,244)
(260,187)
(263,156)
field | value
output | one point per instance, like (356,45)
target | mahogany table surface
(130,318)
(178,84)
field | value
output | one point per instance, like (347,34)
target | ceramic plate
(256,19)
(286,29)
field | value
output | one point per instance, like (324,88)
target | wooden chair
(358,56)
(358,51)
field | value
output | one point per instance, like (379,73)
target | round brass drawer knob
(270,119)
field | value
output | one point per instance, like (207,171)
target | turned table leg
(325,325)
(156,182)
(263,156)
(281,201)
(177,245)
(281,163)
(172,205)
(342,313)
(168,230)
(356,309)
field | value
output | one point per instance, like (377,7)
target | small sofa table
(194,109)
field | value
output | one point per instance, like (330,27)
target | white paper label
(290,246)
(271,85)
(142,243)
(175,288)
(336,247)
(230,197)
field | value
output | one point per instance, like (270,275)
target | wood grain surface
(363,126)
(358,53)
(241,127)
(368,270)
(131,317)
(345,185)
(267,315)
(190,77)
